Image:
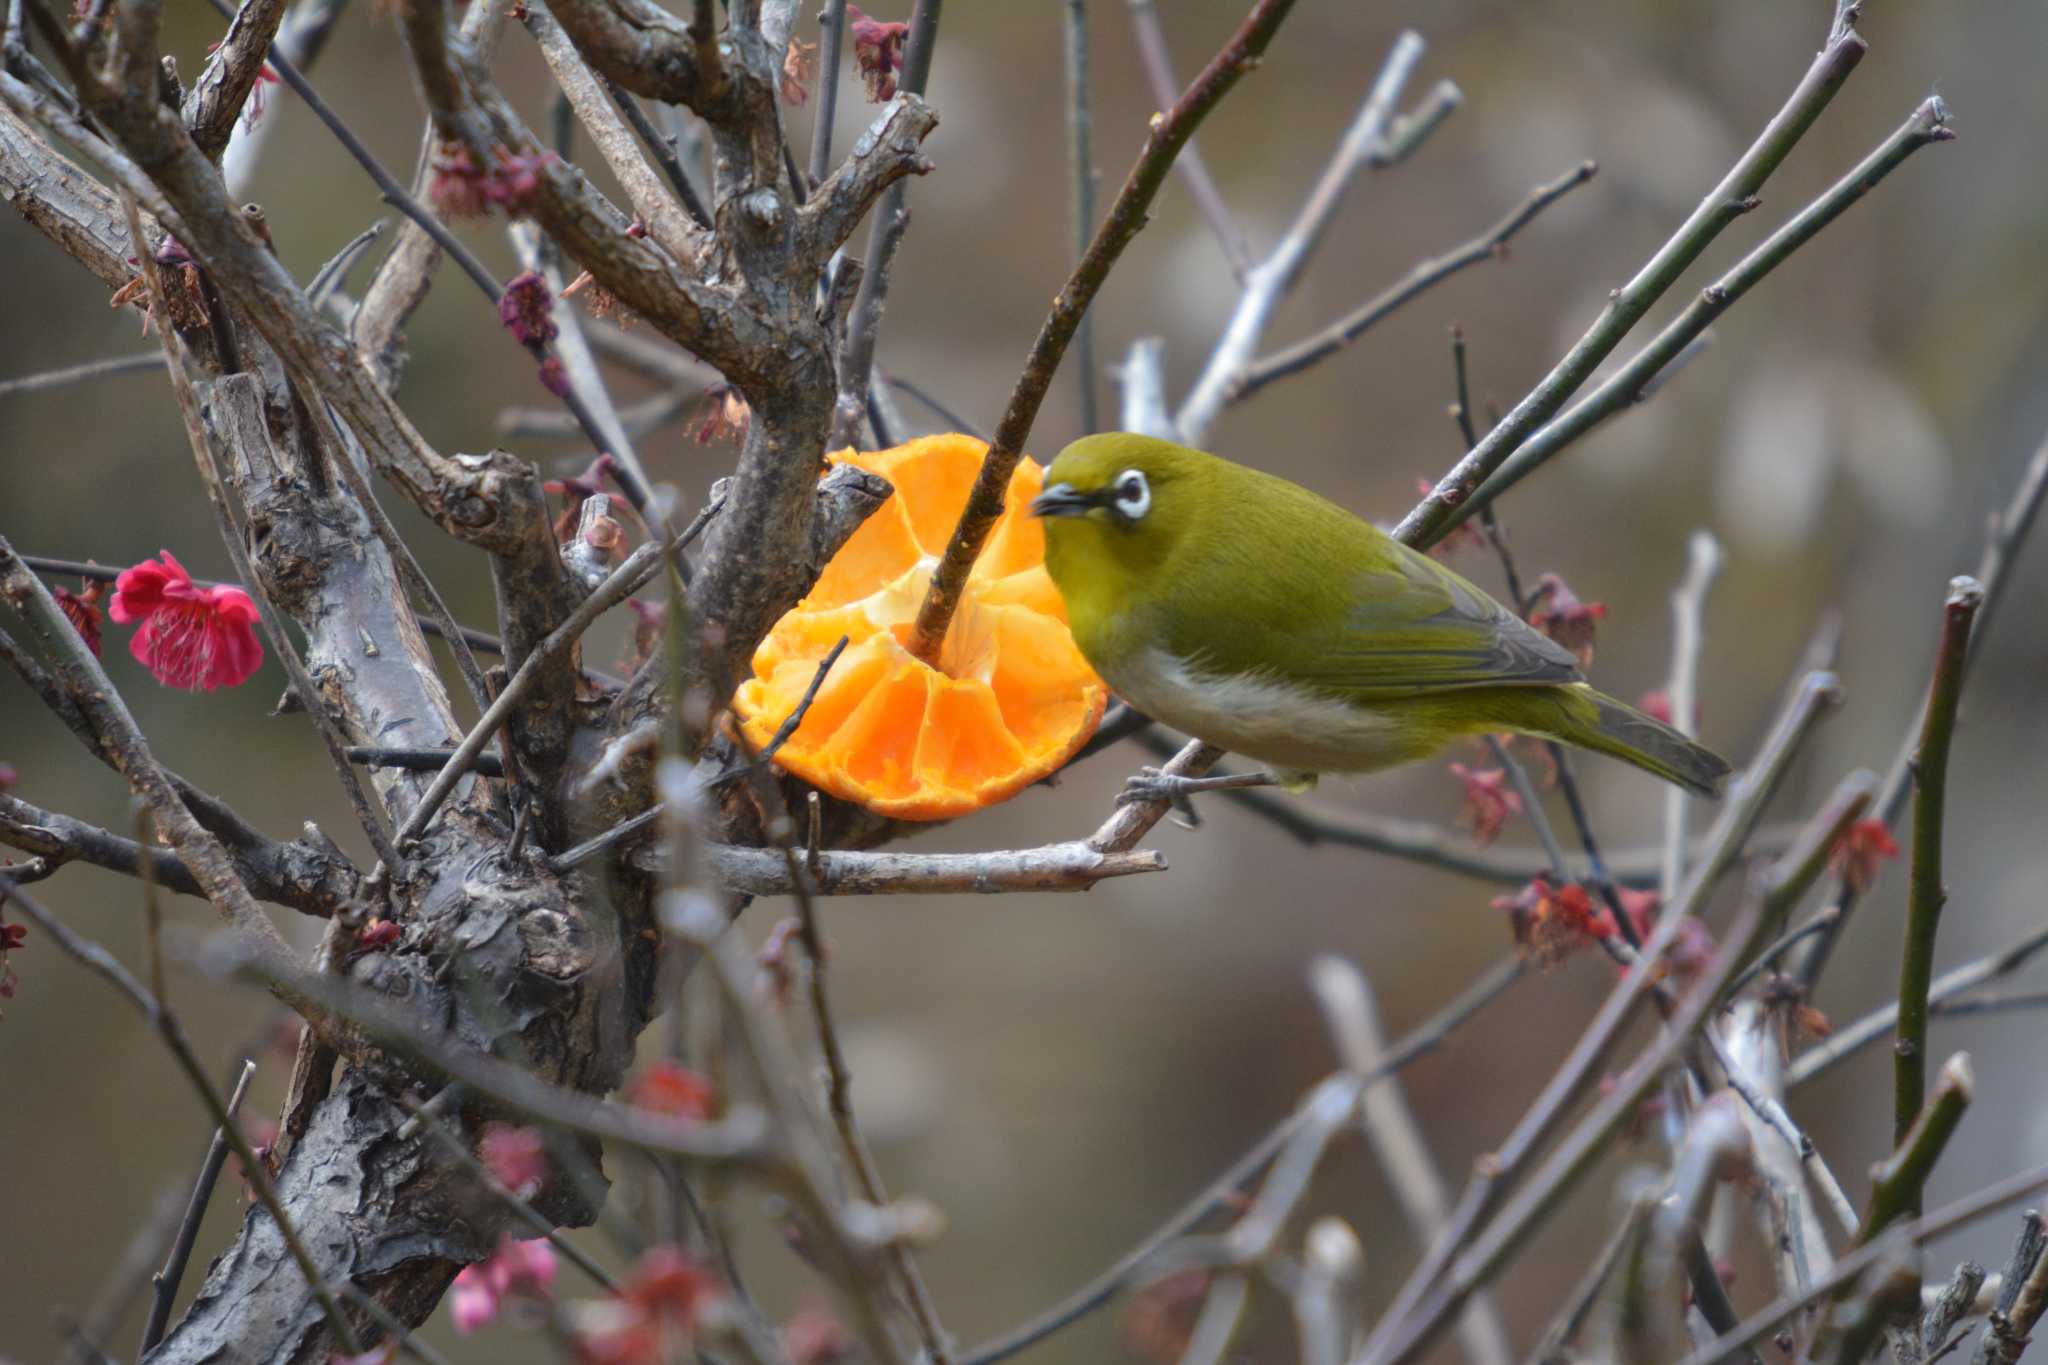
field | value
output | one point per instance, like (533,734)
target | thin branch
(419,760)
(1473,1263)
(1926,895)
(1170,132)
(663,150)
(1926,125)
(1947,987)
(832,37)
(521,1209)
(1555,1346)
(1397,1139)
(310,877)
(796,715)
(2005,1336)
(82,374)
(2008,530)
(1132,1265)
(121,741)
(661,212)
(334,273)
(104,965)
(1157,60)
(1898,1183)
(1081,166)
(638,569)
(1688,631)
(1273,278)
(1428,1297)
(1054,867)
(165,1281)
(1726,202)
(1421,277)
(889,221)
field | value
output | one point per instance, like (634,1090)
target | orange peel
(1011,699)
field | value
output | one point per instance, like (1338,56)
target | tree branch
(217,98)
(1927,895)
(1170,132)
(1421,277)
(1927,124)
(1726,202)
(308,875)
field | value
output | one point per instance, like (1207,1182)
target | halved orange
(1011,699)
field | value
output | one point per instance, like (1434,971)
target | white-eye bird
(1247,611)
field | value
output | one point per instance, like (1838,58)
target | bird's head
(1118,503)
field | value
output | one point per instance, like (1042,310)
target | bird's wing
(1418,626)
(1363,617)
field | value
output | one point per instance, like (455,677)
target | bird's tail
(1620,731)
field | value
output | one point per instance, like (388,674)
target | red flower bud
(878,52)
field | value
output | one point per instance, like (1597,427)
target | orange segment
(1012,699)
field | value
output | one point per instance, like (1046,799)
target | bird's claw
(1151,784)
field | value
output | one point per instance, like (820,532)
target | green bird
(1249,612)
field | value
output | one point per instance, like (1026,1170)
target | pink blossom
(191,637)
(516,1156)
(515,1269)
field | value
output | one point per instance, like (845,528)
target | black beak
(1061,500)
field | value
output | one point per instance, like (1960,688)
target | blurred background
(1059,1073)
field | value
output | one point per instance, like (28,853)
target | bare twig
(2005,1336)
(2008,531)
(1472,1263)
(1273,278)
(656,207)
(1433,845)
(628,578)
(795,718)
(1558,1338)
(1157,60)
(1081,165)
(1927,894)
(165,1281)
(82,374)
(832,36)
(521,1209)
(890,220)
(1170,132)
(1129,1268)
(308,875)
(663,149)
(1896,1184)
(103,964)
(1688,609)
(1927,124)
(1421,277)
(1947,987)
(1397,1139)
(1428,1296)
(1055,867)
(1726,202)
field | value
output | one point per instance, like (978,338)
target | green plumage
(1248,611)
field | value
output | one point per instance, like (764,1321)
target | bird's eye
(1133,495)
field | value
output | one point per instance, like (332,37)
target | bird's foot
(1150,784)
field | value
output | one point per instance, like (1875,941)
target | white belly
(1261,717)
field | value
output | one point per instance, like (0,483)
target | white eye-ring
(1133,495)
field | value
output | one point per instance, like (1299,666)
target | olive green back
(1239,572)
